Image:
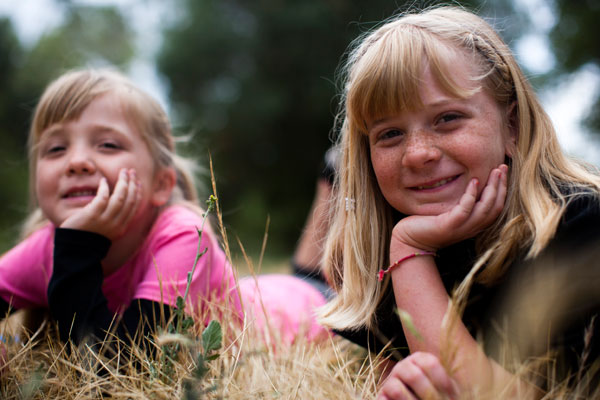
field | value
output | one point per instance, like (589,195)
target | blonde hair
(66,98)
(381,77)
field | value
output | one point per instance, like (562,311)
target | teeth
(440,183)
(82,193)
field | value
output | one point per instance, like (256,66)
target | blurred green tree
(255,82)
(13,117)
(89,35)
(576,42)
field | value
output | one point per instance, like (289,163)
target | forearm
(75,294)
(5,308)
(75,289)
(420,292)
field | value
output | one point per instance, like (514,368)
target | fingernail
(475,181)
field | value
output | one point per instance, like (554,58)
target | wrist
(399,250)
(382,272)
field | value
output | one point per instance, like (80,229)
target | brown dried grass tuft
(39,366)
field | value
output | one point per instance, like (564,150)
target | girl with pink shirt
(113,227)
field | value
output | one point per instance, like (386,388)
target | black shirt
(572,256)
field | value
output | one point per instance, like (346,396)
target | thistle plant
(182,323)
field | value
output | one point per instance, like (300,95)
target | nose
(80,162)
(420,150)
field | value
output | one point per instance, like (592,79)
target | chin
(431,209)
(57,220)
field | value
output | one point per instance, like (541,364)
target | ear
(512,119)
(164,182)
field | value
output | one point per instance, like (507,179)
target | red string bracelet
(382,272)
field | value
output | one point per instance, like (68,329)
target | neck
(122,249)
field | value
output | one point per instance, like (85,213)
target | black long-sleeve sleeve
(75,294)
(4,308)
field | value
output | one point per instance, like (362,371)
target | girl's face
(423,159)
(74,155)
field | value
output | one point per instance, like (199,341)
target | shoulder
(580,223)
(178,216)
(177,226)
(43,234)
(25,269)
(578,228)
(36,244)
(581,205)
(170,253)
(176,220)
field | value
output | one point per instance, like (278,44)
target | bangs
(62,101)
(67,97)
(385,78)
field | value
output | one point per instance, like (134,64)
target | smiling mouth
(437,184)
(80,193)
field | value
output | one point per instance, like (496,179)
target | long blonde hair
(65,98)
(381,77)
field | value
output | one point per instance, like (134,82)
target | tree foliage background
(576,42)
(256,81)
(253,82)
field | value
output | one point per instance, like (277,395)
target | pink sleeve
(25,270)
(171,253)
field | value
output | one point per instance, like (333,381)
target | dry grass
(39,366)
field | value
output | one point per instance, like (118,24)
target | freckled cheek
(382,173)
(385,162)
(388,177)
(480,159)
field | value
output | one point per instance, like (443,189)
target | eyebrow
(444,101)
(57,129)
(374,124)
(107,129)
(52,130)
(436,103)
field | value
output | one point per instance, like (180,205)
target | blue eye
(391,133)
(449,117)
